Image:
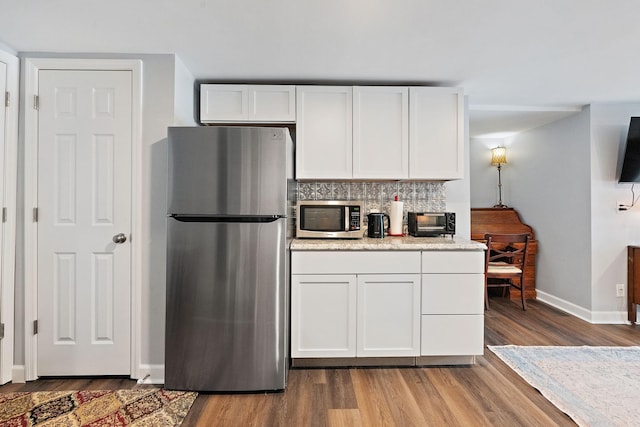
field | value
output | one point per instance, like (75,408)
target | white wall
(158,114)
(458,191)
(484,185)
(175,110)
(549,182)
(7,50)
(611,230)
(184,94)
(562,179)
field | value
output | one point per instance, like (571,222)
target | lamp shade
(498,156)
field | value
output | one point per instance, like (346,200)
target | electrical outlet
(620,290)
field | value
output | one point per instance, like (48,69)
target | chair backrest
(507,248)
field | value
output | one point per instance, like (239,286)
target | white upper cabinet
(324,132)
(354,132)
(436,134)
(226,103)
(380,136)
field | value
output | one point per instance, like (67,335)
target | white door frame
(10,203)
(32,67)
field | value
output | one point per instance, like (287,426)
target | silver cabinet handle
(119,238)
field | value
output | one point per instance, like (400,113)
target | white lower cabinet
(372,312)
(323,313)
(452,304)
(347,304)
(388,315)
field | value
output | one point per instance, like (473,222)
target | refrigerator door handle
(226,218)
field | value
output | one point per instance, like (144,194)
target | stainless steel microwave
(329,219)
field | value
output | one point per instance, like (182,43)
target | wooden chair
(505,259)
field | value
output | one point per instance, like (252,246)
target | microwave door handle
(346,219)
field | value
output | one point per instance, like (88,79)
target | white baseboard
(151,374)
(610,317)
(18,374)
(595,317)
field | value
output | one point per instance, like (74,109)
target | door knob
(119,238)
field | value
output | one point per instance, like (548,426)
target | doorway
(9,74)
(81,140)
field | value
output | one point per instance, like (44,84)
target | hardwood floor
(488,393)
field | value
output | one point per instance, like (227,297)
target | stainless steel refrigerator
(228,232)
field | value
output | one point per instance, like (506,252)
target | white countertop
(388,243)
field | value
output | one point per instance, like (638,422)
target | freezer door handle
(232,218)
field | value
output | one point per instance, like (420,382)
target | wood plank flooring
(486,394)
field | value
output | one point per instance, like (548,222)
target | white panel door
(380,132)
(3,89)
(323,315)
(84,202)
(388,315)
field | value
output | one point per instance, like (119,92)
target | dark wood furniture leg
(633,281)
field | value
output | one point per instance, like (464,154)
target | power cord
(622,207)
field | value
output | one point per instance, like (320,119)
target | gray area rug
(595,386)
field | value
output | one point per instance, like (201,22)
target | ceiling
(522,64)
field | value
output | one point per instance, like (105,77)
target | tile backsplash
(418,196)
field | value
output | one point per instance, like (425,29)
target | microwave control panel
(354,216)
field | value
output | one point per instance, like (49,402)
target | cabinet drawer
(453,262)
(354,262)
(452,335)
(452,293)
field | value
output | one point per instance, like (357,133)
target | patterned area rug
(595,386)
(140,407)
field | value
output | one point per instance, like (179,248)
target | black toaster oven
(431,224)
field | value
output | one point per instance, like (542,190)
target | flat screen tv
(631,163)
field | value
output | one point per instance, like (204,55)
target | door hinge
(4,214)
(36,102)
(35,327)
(7,99)
(35,214)
(1,331)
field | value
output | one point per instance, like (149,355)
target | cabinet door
(272,103)
(380,132)
(436,136)
(324,132)
(388,315)
(323,316)
(223,103)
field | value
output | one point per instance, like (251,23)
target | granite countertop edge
(404,243)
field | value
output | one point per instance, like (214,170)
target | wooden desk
(507,221)
(633,281)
